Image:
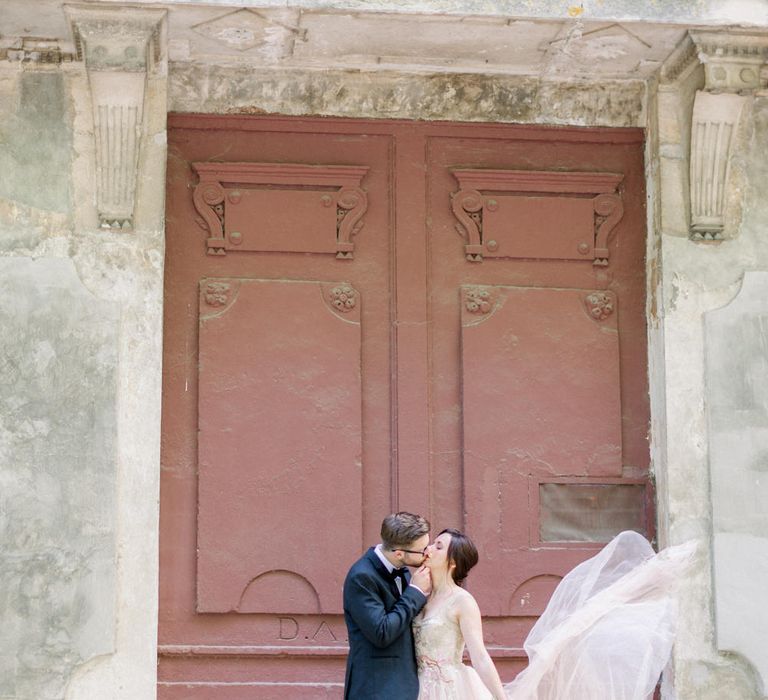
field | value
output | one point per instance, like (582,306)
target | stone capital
(116,38)
(733,61)
(120,47)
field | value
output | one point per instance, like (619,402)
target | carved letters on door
(365,316)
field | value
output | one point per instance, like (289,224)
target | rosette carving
(599,305)
(478,300)
(217,296)
(343,298)
(217,293)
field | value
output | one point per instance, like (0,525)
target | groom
(380,601)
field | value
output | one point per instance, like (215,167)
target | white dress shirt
(379,549)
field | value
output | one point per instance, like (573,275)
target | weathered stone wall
(689,279)
(80,406)
(391,95)
(82,329)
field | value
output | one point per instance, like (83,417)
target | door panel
(368,316)
(549,391)
(279,440)
(539,370)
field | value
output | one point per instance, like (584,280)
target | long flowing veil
(608,630)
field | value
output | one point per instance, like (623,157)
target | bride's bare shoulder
(465,600)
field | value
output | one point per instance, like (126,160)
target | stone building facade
(85,93)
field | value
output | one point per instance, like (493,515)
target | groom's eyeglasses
(413,551)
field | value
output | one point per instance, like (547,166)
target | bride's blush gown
(439,650)
(606,634)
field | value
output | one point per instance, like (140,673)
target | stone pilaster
(120,48)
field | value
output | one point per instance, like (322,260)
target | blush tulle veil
(608,630)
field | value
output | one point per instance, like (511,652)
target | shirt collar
(380,554)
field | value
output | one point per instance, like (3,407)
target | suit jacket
(381,664)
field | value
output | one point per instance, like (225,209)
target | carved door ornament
(280,207)
(600,305)
(537,214)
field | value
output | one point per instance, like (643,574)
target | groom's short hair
(401,529)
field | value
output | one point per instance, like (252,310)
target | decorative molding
(733,69)
(343,298)
(600,305)
(271,30)
(208,198)
(477,300)
(217,293)
(609,209)
(680,61)
(119,48)
(338,187)
(732,61)
(351,204)
(217,296)
(469,204)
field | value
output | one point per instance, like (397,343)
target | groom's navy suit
(381,663)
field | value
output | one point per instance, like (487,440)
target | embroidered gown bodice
(439,651)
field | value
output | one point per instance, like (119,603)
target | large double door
(362,317)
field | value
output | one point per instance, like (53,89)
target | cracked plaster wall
(80,418)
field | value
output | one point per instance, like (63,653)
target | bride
(606,633)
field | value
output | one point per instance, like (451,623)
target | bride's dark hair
(461,552)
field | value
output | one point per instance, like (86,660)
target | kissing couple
(606,633)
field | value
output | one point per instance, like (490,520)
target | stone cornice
(733,61)
(681,61)
(116,38)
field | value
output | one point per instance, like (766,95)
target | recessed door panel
(540,399)
(279,438)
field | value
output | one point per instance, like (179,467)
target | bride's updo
(461,552)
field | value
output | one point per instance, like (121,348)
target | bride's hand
(422,579)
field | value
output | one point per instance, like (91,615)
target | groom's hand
(422,579)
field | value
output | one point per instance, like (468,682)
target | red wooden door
(366,316)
